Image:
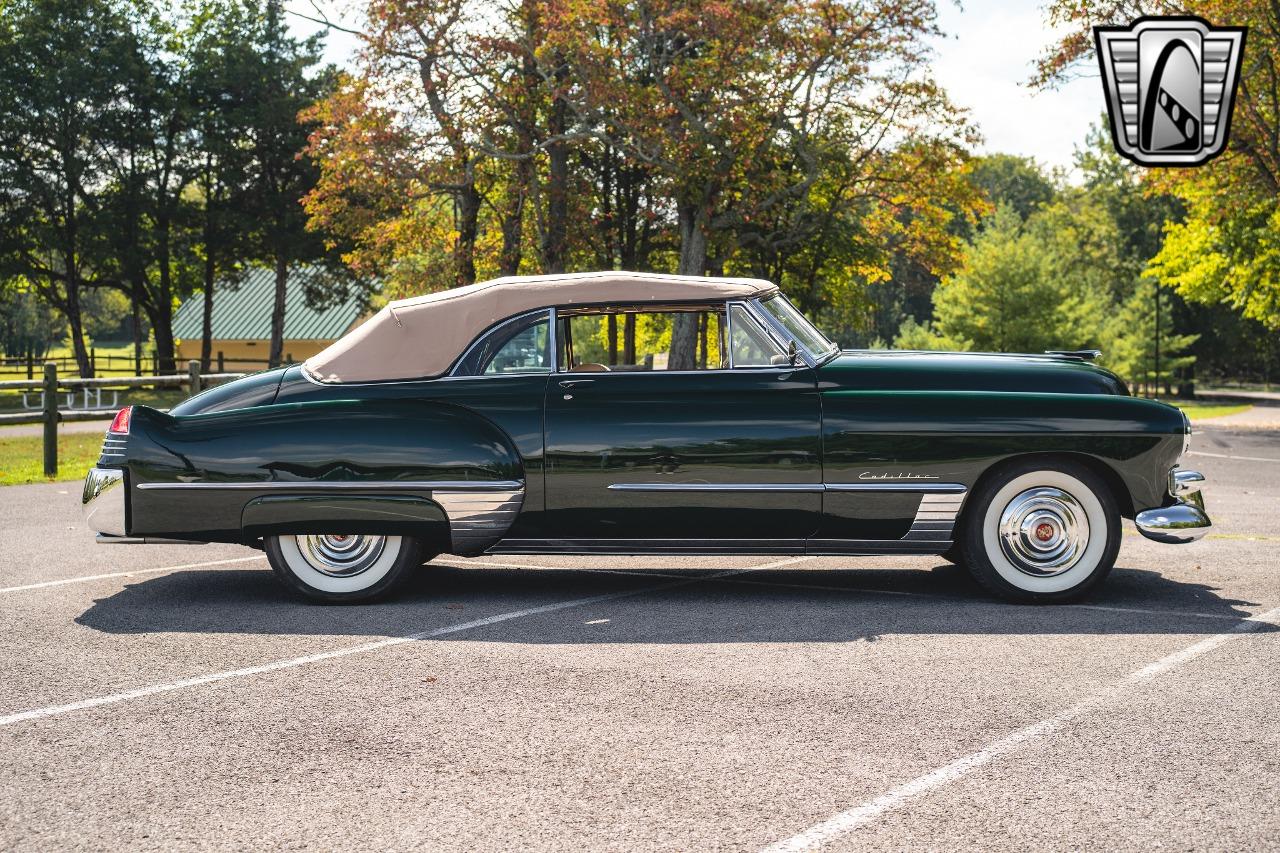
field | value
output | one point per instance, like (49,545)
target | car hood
(903,370)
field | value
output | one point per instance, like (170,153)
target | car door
(713,456)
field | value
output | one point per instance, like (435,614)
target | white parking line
(845,822)
(86,578)
(290,663)
(1229,456)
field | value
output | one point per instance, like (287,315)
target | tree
(220,36)
(28,326)
(55,112)
(1015,181)
(1223,251)
(279,86)
(1019,291)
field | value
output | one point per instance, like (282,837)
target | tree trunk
(468,227)
(76,321)
(161,315)
(206,319)
(555,240)
(693,261)
(513,219)
(276,353)
(136,299)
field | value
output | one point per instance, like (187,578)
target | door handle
(575,383)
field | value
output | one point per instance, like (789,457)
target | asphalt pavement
(176,697)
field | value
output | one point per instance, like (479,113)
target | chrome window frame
(809,358)
(550,314)
(768,333)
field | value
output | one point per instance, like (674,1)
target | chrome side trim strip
(914,488)
(716,487)
(922,488)
(347,486)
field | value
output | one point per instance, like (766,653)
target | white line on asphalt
(290,663)
(1229,456)
(845,822)
(85,578)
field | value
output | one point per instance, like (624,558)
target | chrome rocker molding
(103,501)
(1185,521)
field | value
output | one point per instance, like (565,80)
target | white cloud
(985,62)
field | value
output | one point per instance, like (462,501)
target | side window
(621,339)
(751,346)
(520,345)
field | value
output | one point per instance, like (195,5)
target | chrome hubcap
(1044,531)
(341,556)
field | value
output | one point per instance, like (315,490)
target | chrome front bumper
(1185,521)
(103,501)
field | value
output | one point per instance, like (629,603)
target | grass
(1201,411)
(22,457)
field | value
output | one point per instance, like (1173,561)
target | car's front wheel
(342,569)
(1041,532)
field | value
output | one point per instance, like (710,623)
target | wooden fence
(142,367)
(50,386)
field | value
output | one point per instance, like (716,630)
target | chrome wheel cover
(1044,531)
(341,556)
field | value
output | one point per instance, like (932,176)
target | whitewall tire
(338,569)
(1040,532)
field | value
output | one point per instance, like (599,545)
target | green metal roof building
(242,319)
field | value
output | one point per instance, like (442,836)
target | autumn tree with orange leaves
(800,140)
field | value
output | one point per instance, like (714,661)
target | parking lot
(170,696)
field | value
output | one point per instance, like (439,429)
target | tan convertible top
(423,336)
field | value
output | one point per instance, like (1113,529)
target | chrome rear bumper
(103,501)
(1184,521)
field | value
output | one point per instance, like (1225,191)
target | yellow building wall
(253,353)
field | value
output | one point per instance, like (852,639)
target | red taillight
(120,423)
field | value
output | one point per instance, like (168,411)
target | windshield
(799,327)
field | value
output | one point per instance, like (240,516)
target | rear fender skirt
(386,515)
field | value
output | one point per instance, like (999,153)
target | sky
(984,63)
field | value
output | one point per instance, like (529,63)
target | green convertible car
(627,413)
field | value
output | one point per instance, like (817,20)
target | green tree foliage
(148,147)
(1015,181)
(28,325)
(1068,276)
(56,109)
(1018,291)
(1224,251)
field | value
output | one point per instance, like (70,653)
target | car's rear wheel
(342,569)
(1041,533)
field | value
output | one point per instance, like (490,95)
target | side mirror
(791,353)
